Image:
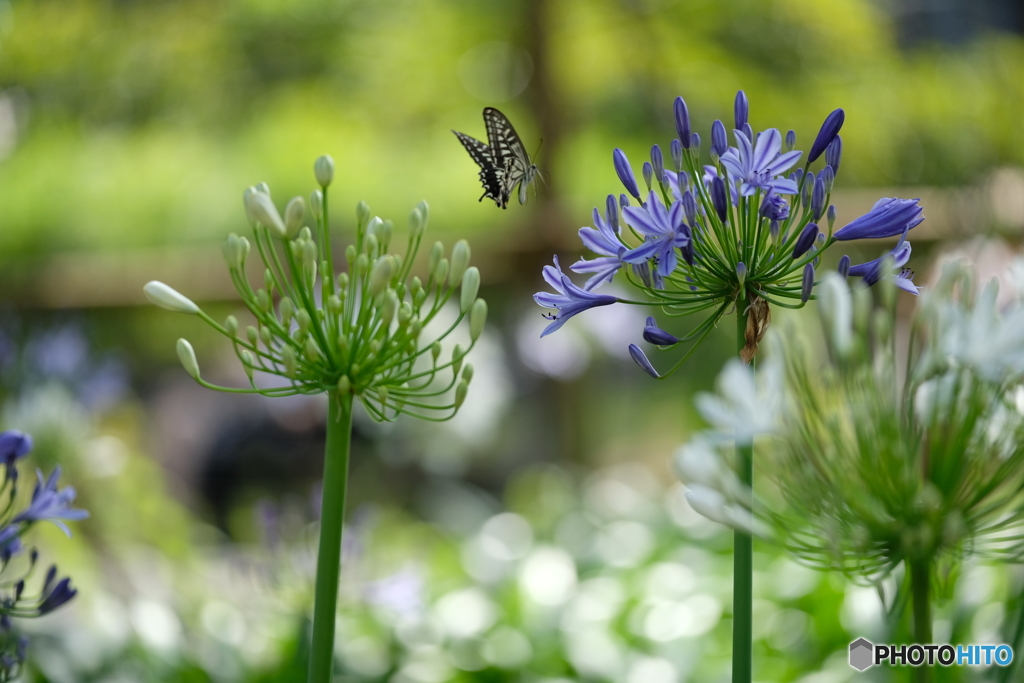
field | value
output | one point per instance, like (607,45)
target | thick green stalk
(743,551)
(920,591)
(328,561)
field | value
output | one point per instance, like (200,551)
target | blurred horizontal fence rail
(86,279)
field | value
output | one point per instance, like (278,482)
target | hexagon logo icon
(861,654)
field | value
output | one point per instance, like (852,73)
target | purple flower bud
(829,131)
(641,360)
(658,162)
(718,198)
(60,594)
(831,213)
(797,175)
(805,194)
(695,143)
(719,141)
(612,213)
(790,140)
(818,198)
(741,272)
(689,207)
(682,121)
(676,149)
(774,207)
(889,217)
(625,172)
(623,201)
(834,153)
(829,176)
(844,266)
(749,132)
(807,284)
(773,230)
(684,181)
(687,249)
(657,336)
(805,240)
(741,110)
(648,173)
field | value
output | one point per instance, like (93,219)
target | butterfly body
(504,162)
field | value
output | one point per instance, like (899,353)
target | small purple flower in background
(401,592)
(49,504)
(569,300)
(14,445)
(761,166)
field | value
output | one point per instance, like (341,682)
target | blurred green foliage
(140,122)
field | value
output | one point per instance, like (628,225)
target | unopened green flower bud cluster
(357,331)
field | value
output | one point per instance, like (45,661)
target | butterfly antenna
(539,145)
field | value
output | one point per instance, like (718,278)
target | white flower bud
(835,305)
(263,188)
(232,251)
(316,204)
(707,502)
(247,362)
(467,373)
(289,361)
(381,275)
(424,211)
(344,385)
(470,286)
(457,355)
(312,350)
(302,317)
(293,215)
(169,298)
(231,325)
(263,211)
(323,169)
(460,394)
(435,256)
(477,319)
(415,223)
(362,213)
(441,273)
(460,260)
(187,356)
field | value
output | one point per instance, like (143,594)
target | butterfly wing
(491,174)
(508,153)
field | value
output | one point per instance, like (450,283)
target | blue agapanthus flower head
(745,232)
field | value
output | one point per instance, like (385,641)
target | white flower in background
(747,404)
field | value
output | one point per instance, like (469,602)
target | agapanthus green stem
(328,561)
(743,550)
(920,591)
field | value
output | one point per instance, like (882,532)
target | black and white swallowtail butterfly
(504,162)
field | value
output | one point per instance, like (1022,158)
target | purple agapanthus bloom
(761,166)
(602,240)
(13,446)
(664,230)
(569,300)
(625,172)
(49,504)
(871,271)
(889,217)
